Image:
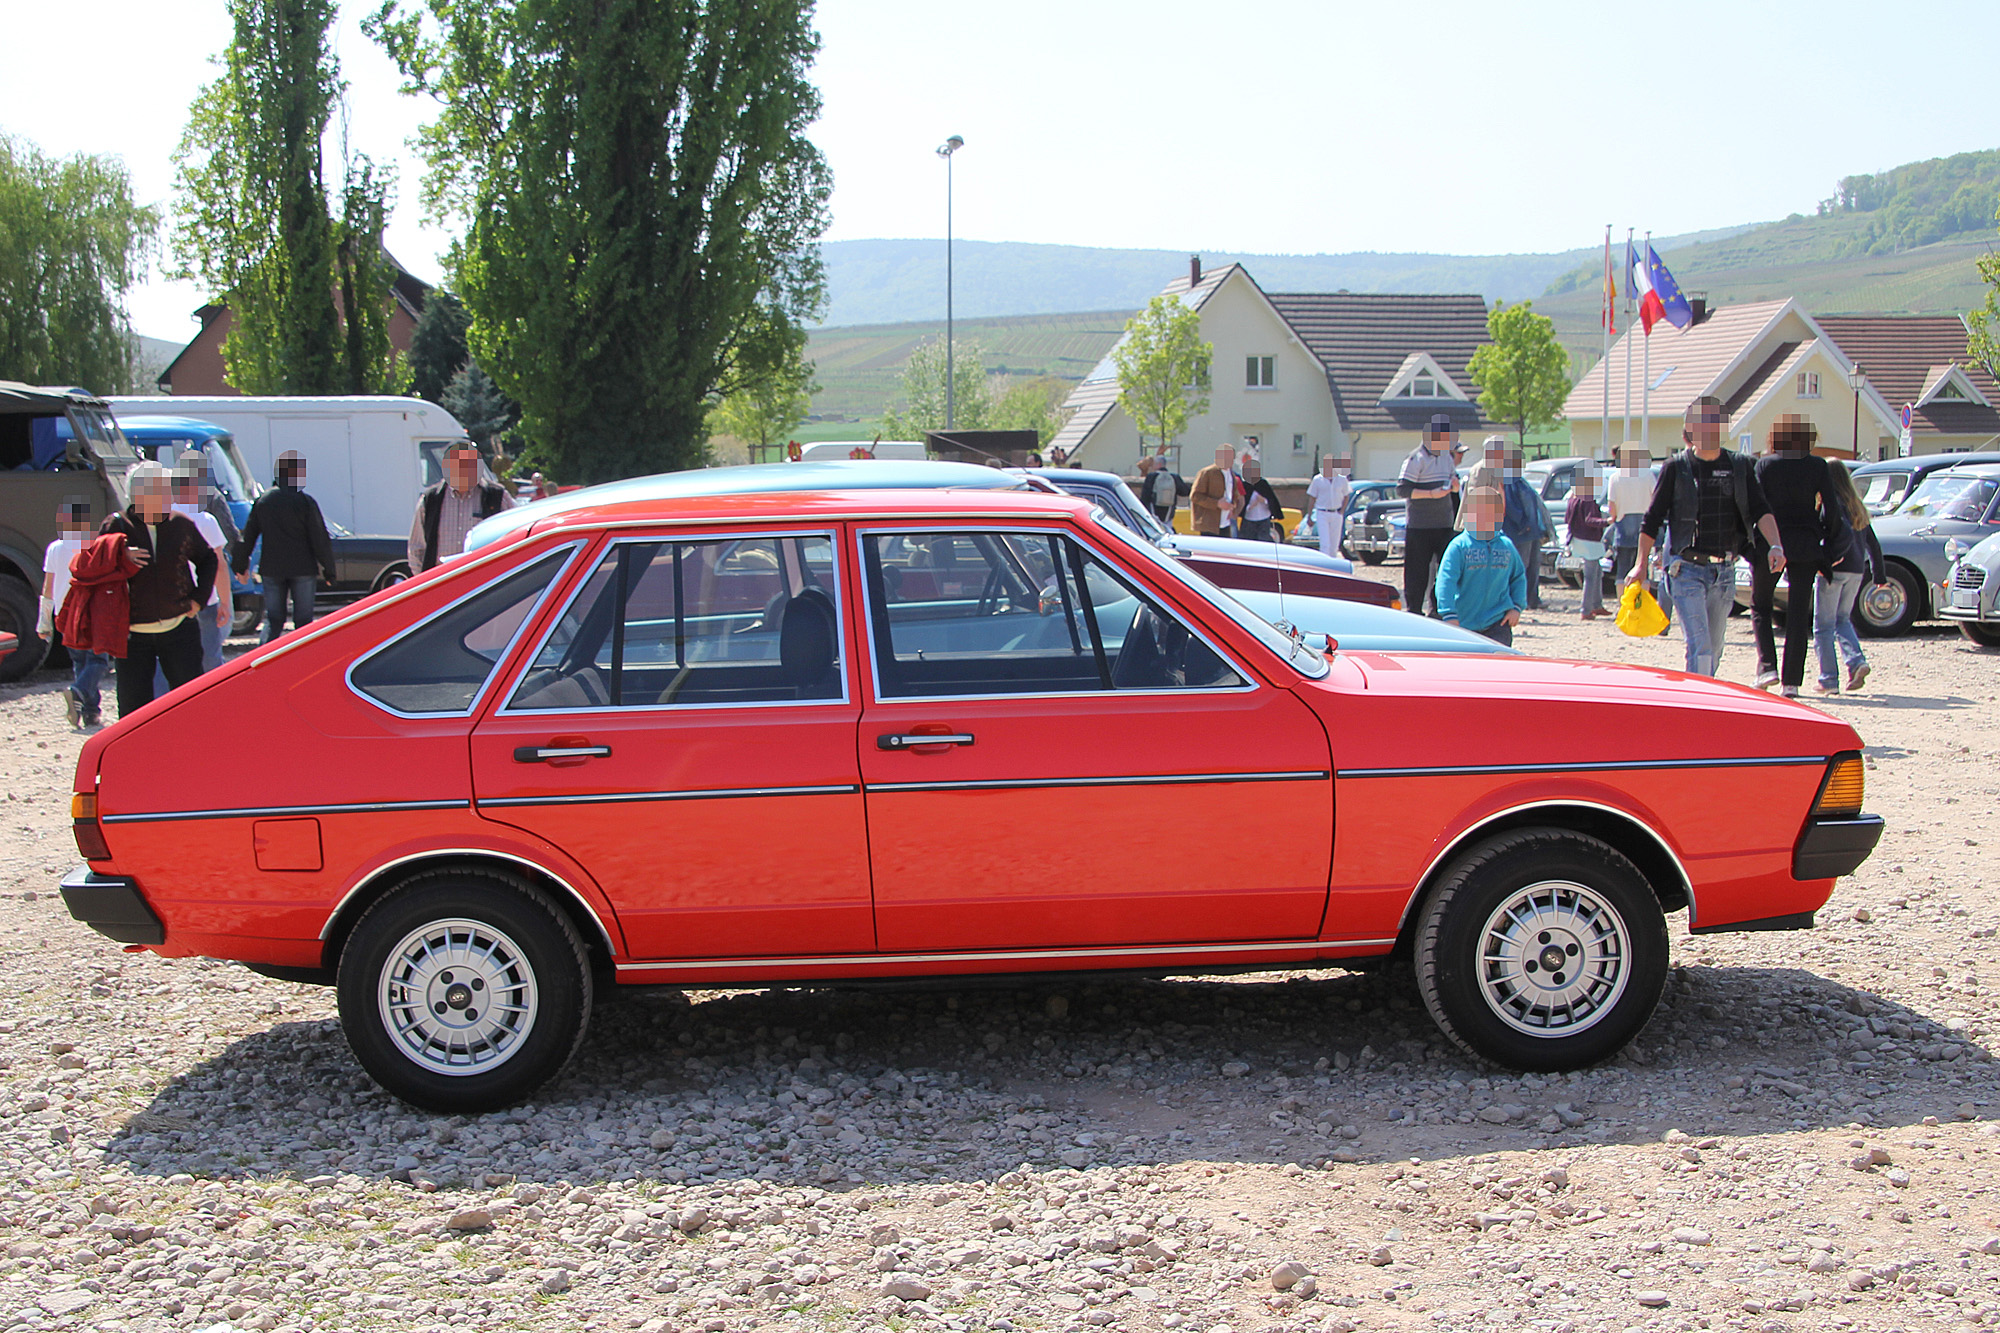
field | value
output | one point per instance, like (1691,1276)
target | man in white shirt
(83,697)
(1328,493)
(1630,491)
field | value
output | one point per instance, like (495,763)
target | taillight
(1840,795)
(89,833)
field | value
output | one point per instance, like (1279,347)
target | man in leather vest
(450,509)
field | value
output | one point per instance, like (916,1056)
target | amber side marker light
(89,834)
(1840,795)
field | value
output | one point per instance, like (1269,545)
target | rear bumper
(1830,848)
(112,906)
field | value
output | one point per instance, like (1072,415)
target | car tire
(1986,636)
(1889,611)
(1484,941)
(18,613)
(1372,557)
(447,1053)
(390,576)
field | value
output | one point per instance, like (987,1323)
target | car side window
(999,613)
(738,621)
(442,665)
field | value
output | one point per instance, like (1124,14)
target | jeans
(1499,631)
(1834,596)
(276,591)
(1702,595)
(1256,530)
(1530,548)
(1624,539)
(1422,549)
(177,653)
(1593,584)
(87,677)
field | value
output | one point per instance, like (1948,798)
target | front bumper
(112,906)
(1968,593)
(1830,848)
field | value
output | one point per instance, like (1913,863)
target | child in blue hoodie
(1481,581)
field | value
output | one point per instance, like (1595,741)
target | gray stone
(471,1219)
(906,1288)
(1652,1300)
(61,1303)
(1288,1275)
(556,1280)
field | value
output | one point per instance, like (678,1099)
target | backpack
(1161,492)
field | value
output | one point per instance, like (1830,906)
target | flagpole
(1610,304)
(1628,339)
(1646,376)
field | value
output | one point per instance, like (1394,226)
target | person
(83,697)
(1799,489)
(1630,491)
(449,509)
(1429,485)
(1587,523)
(196,501)
(1858,555)
(175,565)
(1526,522)
(1217,495)
(296,546)
(1481,583)
(1164,489)
(1328,494)
(1708,502)
(1262,512)
(1490,470)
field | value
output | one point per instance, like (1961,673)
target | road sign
(1909,416)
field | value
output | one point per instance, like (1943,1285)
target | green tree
(923,392)
(480,407)
(309,290)
(642,206)
(763,414)
(1523,373)
(72,243)
(1982,326)
(1163,369)
(438,349)
(1032,404)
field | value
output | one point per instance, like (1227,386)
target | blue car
(1359,627)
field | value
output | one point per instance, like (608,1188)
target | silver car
(1961,502)
(1972,590)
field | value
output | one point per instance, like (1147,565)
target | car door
(1053,758)
(686,732)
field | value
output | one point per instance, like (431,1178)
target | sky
(1287,126)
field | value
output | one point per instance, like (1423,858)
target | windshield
(1880,491)
(106,440)
(1301,658)
(230,473)
(1956,495)
(1149,523)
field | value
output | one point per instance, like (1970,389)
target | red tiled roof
(1363,338)
(1697,355)
(1898,353)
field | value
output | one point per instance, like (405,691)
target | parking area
(1806,1137)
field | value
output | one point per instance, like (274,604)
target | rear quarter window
(440,666)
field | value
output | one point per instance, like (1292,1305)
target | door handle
(541,754)
(913,741)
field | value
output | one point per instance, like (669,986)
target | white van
(366,457)
(901,450)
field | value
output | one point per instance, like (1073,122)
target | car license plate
(1965,597)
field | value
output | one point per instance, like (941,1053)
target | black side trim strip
(622,797)
(1154,780)
(1615,766)
(279,811)
(1796,921)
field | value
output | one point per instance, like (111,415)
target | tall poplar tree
(253,222)
(642,207)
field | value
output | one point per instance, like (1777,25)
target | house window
(1949,392)
(1808,384)
(1260,372)
(1298,443)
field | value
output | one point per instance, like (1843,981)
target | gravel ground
(1806,1137)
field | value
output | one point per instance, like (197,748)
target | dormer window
(1419,378)
(1949,392)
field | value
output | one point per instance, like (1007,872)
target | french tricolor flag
(1659,295)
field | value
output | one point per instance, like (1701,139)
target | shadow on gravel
(838,1087)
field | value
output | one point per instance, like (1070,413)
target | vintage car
(1973,588)
(1886,484)
(798,738)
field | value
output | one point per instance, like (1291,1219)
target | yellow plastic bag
(1639,614)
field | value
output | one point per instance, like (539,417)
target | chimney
(1194,271)
(1699,306)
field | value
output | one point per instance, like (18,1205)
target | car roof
(148,424)
(833,474)
(1969,469)
(814,505)
(1925,462)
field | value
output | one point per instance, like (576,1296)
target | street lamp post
(1854,380)
(945,150)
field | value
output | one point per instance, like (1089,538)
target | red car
(772,739)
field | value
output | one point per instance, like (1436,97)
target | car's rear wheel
(390,577)
(18,611)
(1888,609)
(1542,949)
(1986,636)
(464,993)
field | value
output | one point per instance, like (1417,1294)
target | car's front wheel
(1542,949)
(1986,636)
(1889,608)
(463,993)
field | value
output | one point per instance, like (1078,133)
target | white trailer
(366,457)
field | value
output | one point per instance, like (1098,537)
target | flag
(1666,291)
(1631,269)
(1610,288)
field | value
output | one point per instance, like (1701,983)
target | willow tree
(640,203)
(254,220)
